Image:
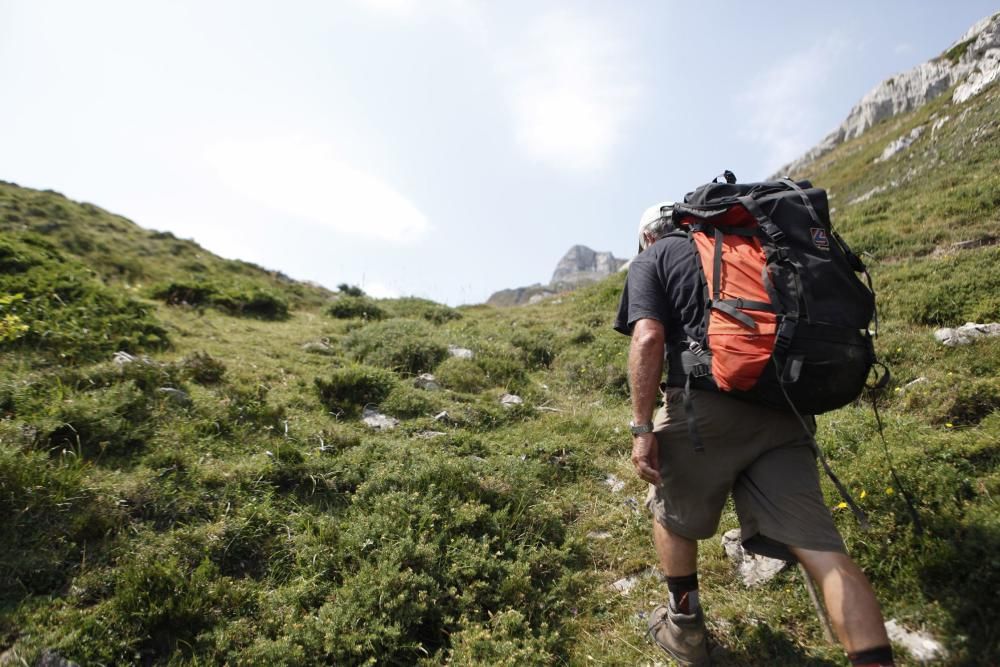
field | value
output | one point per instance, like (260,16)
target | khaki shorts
(758,454)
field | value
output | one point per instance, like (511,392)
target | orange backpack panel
(739,353)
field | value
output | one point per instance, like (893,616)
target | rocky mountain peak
(582,265)
(579,266)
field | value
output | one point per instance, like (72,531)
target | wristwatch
(639,429)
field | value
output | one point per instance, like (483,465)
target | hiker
(757,453)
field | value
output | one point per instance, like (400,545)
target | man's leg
(849,598)
(679,627)
(678,555)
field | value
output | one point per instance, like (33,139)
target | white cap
(654,220)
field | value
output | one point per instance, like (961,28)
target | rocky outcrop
(970,65)
(579,266)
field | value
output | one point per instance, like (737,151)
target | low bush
(415,308)
(114,421)
(351,388)
(50,515)
(406,402)
(601,364)
(203,368)
(405,346)
(538,347)
(249,405)
(233,299)
(463,375)
(503,364)
(54,305)
(348,306)
(252,302)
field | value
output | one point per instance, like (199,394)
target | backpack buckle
(785,333)
(695,347)
(700,371)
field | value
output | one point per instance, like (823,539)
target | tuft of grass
(349,389)
(401,345)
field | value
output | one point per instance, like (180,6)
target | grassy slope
(125,254)
(254,526)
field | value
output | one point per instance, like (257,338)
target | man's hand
(646,457)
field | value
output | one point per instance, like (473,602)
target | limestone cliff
(970,64)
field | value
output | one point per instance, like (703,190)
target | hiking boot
(680,635)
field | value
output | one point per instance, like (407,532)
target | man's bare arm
(645,368)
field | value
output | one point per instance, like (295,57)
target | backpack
(787,316)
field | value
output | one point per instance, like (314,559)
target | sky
(444,149)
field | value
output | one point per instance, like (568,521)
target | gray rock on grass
(378,421)
(920,645)
(967,333)
(753,569)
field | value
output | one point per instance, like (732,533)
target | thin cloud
(571,90)
(783,106)
(307,181)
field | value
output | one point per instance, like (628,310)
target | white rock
(900,144)
(967,333)
(176,395)
(378,421)
(938,124)
(122,358)
(442,416)
(318,347)
(460,352)
(625,584)
(429,434)
(615,484)
(920,645)
(914,383)
(510,400)
(753,569)
(598,535)
(426,381)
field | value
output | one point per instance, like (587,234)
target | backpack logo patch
(820,239)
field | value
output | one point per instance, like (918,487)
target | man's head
(654,223)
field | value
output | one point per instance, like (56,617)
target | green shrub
(249,405)
(236,300)
(350,290)
(463,375)
(113,421)
(599,365)
(69,314)
(351,388)
(415,308)
(50,516)
(203,368)
(406,402)
(503,364)
(178,293)
(347,307)
(405,346)
(252,302)
(538,347)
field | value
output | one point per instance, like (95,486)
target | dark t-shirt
(664,283)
